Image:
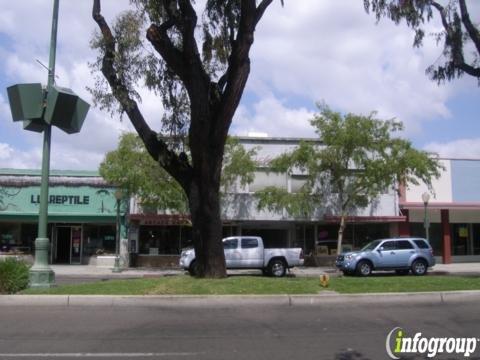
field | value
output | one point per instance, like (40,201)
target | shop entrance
(68,247)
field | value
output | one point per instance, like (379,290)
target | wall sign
(63,199)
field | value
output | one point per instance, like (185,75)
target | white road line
(88,355)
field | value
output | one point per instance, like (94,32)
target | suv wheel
(419,267)
(364,268)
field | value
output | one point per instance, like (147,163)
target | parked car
(399,254)
(248,252)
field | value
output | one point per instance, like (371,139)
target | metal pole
(116,266)
(426,222)
(41,275)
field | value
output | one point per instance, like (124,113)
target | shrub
(14,276)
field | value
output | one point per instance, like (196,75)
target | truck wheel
(364,268)
(419,267)
(193,269)
(277,268)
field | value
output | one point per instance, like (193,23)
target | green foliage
(238,165)
(356,159)
(136,61)
(132,169)
(14,276)
(458,34)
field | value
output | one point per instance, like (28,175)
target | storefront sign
(63,199)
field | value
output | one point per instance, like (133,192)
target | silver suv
(399,254)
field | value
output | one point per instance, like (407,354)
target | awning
(160,219)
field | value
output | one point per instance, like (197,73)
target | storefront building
(159,237)
(452,214)
(81,220)
(82,216)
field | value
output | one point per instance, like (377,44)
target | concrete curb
(330,299)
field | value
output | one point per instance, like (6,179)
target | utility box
(65,109)
(26,101)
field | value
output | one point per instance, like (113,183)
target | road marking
(88,355)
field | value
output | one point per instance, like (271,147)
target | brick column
(446,241)
(404,227)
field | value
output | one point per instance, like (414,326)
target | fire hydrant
(324,279)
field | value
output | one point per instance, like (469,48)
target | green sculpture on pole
(39,108)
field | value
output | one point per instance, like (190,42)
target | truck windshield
(371,245)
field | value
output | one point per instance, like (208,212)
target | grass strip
(258,285)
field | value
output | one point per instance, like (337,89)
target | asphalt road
(341,332)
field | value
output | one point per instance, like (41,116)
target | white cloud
(457,149)
(333,51)
(14,158)
(304,52)
(272,117)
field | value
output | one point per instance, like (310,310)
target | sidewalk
(78,273)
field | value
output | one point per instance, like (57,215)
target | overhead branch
(457,51)
(261,9)
(238,68)
(177,166)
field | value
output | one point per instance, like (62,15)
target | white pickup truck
(248,252)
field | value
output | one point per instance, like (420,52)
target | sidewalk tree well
(132,169)
(355,160)
(199,71)
(460,35)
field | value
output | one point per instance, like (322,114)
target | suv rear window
(404,245)
(422,244)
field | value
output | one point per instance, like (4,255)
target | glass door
(77,244)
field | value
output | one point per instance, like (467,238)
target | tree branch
(457,54)
(177,166)
(261,9)
(238,69)
(472,31)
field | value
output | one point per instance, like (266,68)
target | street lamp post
(116,266)
(426,223)
(41,275)
(40,108)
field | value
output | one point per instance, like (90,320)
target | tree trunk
(204,203)
(340,233)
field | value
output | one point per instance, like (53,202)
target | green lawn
(258,285)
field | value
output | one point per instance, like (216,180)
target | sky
(309,51)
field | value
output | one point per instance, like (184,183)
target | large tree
(131,168)
(355,160)
(460,34)
(199,72)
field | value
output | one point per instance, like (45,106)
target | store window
(10,240)
(272,238)
(460,239)
(163,240)
(99,239)
(476,239)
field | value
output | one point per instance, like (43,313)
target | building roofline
(262,139)
(37,172)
